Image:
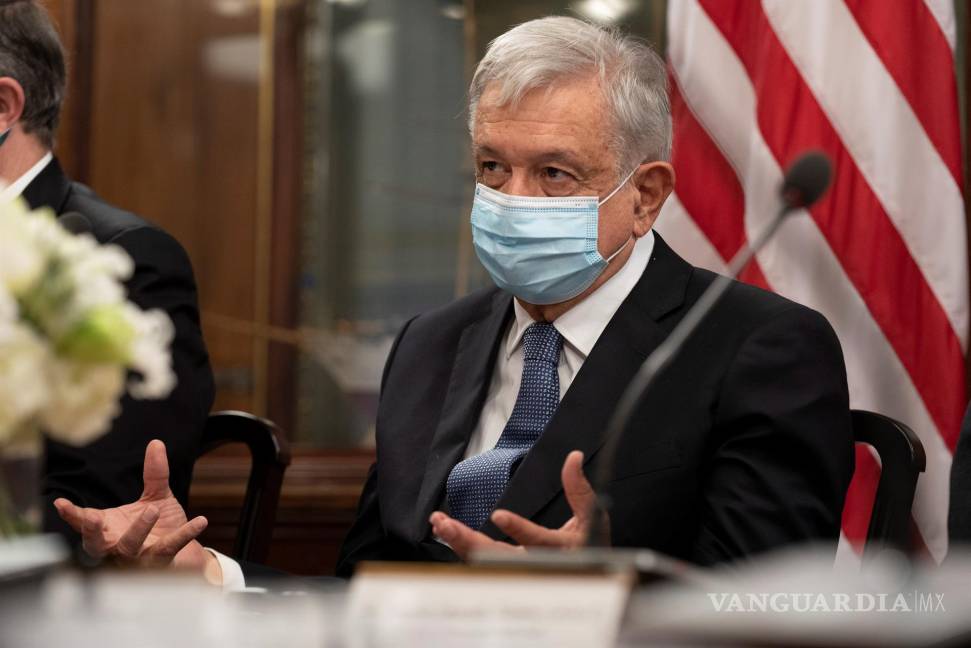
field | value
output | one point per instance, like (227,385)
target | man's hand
(152,531)
(579,494)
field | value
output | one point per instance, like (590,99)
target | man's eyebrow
(564,156)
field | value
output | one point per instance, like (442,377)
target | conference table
(791,599)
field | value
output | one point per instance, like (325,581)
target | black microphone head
(806,180)
(75,223)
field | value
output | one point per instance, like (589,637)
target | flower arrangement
(71,343)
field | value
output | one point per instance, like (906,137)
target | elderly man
(107,472)
(492,407)
(744,445)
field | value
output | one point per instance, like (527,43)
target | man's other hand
(579,494)
(151,531)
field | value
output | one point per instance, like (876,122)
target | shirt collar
(582,325)
(16,188)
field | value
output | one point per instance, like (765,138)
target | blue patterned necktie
(475,485)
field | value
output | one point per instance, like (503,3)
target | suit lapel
(638,327)
(468,385)
(49,189)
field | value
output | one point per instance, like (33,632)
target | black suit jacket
(744,444)
(108,472)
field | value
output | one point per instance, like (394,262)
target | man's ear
(654,182)
(11,102)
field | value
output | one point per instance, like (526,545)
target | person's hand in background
(151,531)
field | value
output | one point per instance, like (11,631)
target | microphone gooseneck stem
(656,362)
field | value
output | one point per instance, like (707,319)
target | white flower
(22,259)
(8,307)
(94,273)
(24,387)
(150,354)
(84,400)
(68,335)
(99,272)
(99,276)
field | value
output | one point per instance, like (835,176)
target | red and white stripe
(883,255)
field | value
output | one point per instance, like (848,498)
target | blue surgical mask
(541,249)
(3,136)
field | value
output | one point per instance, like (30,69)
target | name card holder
(419,604)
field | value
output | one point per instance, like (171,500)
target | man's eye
(552,173)
(490,166)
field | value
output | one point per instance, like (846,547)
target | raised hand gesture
(579,494)
(151,531)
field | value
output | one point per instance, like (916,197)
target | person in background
(107,472)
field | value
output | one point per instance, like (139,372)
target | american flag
(883,255)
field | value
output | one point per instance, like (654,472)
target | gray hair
(634,79)
(31,53)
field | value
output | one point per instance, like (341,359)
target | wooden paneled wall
(164,118)
(173,136)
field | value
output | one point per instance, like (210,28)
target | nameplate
(407,604)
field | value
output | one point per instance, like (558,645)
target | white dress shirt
(16,188)
(581,327)
(233,579)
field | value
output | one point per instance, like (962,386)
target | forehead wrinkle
(564,124)
(500,135)
(533,150)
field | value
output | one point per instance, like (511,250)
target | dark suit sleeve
(108,472)
(783,442)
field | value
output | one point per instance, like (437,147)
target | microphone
(806,180)
(75,223)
